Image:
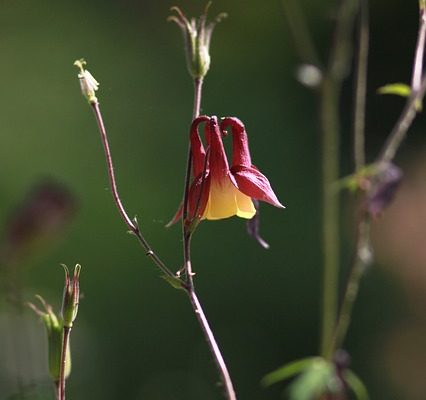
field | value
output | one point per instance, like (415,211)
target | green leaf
(356,385)
(318,379)
(288,371)
(398,89)
(174,282)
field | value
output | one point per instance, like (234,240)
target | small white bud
(88,84)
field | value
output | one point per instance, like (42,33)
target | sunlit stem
(420,46)
(404,122)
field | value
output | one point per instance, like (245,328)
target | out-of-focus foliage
(137,338)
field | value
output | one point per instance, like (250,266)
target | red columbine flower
(218,191)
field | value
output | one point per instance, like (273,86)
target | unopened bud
(71,296)
(54,330)
(384,184)
(197,36)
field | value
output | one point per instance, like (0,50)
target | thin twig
(418,88)
(420,46)
(65,341)
(363,257)
(132,225)
(214,348)
(404,122)
(361,86)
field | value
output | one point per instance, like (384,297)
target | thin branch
(419,54)
(364,256)
(363,259)
(214,348)
(132,225)
(361,86)
(404,122)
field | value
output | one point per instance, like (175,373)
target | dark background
(135,336)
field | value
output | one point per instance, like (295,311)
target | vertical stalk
(189,286)
(330,125)
(330,207)
(363,254)
(361,86)
(65,341)
(363,257)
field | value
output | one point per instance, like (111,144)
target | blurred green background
(136,337)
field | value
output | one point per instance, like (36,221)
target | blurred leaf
(287,371)
(174,282)
(355,181)
(318,379)
(398,89)
(356,385)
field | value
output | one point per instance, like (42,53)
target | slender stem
(65,341)
(214,348)
(329,115)
(186,234)
(419,54)
(418,88)
(361,86)
(330,207)
(363,258)
(189,285)
(363,252)
(131,224)
(404,122)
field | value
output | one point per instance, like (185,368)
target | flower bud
(71,296)
(384,185)
(88,84)
(197,35)
(54,330)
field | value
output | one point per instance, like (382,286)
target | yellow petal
(225,200)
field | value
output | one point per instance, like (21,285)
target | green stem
(65,341)
(363,258)
(361,86)
(330,200)
(330,124)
